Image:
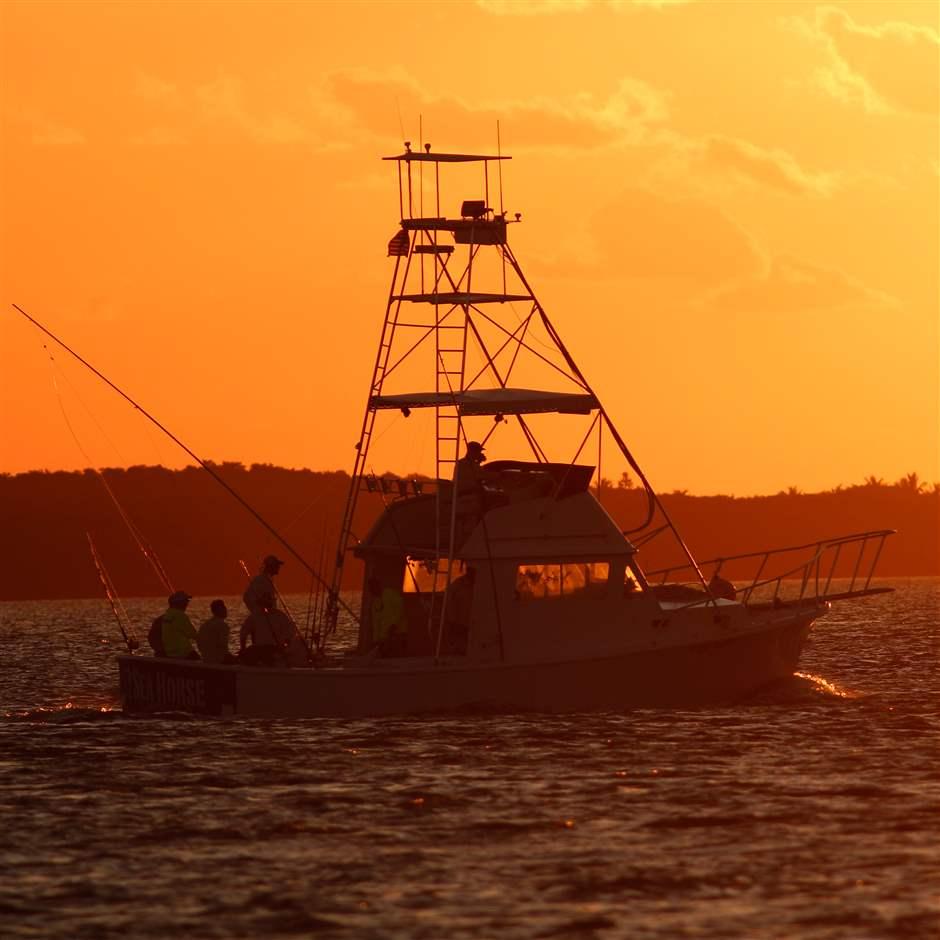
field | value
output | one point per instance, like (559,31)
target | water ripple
(808,812)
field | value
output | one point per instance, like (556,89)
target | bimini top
(493,401)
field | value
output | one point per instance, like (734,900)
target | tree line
(200,534)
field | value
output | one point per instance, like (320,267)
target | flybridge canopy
(492,401)
(457,298)
(428,157)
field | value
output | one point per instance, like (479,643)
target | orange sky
(730,213)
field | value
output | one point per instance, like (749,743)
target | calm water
(811,812)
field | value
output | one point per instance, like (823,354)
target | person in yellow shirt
(179,634)
(389,623)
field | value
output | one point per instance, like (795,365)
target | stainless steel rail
(815,572)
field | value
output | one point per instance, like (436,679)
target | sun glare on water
(825,687)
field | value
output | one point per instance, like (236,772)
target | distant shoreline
(298,598)
(200,533)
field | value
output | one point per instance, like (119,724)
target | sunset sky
(730,212)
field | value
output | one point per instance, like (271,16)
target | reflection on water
(809,811)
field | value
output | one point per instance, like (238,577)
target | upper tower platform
(426,156)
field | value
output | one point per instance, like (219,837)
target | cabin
(539,568)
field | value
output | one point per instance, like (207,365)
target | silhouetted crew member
(179,634)
(469,490)
(722,588)
(469,474)
(213,636)
(262,583)
(459,606)
(270,632)
(389,624)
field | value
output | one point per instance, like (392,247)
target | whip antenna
(499,167)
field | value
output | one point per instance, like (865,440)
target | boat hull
(721,671)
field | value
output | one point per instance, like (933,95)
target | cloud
(58,135)
(158,137)
(691,251)
(654,4)
(775,169)
(375,100)
(644,235)
(224,100)
(789,285)
(154,88)
(45,131)
(532,7)
(894,67)
(648,235)
(550,7)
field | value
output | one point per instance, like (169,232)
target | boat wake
(803,688)
(67,713)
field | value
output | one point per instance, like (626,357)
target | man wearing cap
(469,479)
(179,634)
(469,474)
(262,584)
(270,631)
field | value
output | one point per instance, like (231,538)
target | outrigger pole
(205,466)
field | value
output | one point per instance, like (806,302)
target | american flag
(399,244)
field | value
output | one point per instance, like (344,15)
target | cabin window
(419,575)
(580,579)
(631,584)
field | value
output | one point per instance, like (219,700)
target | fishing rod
(205,466)
(312,628)
(117,607)
(145,547)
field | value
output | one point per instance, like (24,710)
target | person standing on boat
(469,475)
(469,487)
(270,632)
(179,634)
(459,606)
(722,587)
(213,636)
(389,624)
(261,584)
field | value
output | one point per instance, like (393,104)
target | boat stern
(152,684)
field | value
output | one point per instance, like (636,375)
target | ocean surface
(809,812)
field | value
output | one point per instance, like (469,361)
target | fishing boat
(507,585)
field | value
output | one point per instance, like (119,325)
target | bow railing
(807,579)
